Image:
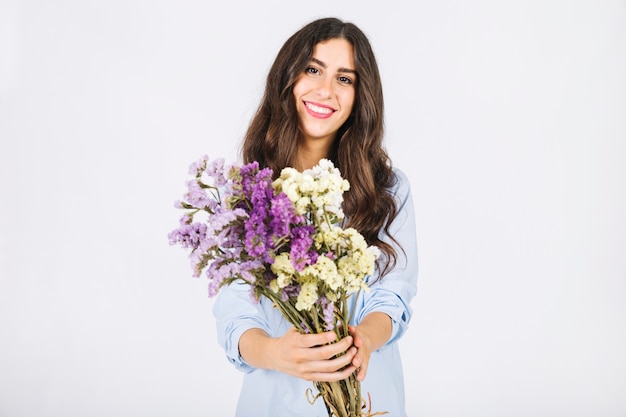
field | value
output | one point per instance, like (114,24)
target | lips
(318,111)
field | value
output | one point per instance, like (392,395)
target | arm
(385,310)
(306,356)
(245,332)
(369,335)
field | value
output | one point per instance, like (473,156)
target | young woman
(324,99)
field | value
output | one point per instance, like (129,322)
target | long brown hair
(358,152)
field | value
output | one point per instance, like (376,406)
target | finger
(331,376)
(362,372)
(340,361)
(361,364)
(328,365)
(333,349)
(318,339)
(358,340)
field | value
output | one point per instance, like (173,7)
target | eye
(311,70)
(345,80)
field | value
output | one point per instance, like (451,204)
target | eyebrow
(323,65)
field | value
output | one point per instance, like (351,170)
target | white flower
(325,270)
(307,296)
(302,205)
(284,270)
(344,258)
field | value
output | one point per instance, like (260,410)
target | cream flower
(325,270)
(307,296)
(344,258)
(284,270)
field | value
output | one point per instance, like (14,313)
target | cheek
(299,87)
(349,101)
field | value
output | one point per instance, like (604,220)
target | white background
(508,117)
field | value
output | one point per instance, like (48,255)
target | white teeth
(317,109)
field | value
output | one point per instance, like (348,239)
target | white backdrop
(508,117)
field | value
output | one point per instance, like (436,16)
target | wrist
(255,347)
(376,330)
(268,346)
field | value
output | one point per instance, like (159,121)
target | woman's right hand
(306,356)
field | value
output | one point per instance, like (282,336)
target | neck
(309,154)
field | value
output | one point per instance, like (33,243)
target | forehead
(335,52)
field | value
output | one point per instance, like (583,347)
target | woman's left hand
(368,336)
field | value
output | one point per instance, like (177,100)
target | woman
(323,99)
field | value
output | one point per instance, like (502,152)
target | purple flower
(185,219)
(254,194)
(228,270)
(198,166)
(290,291)
(305,327)
(301,246)
(198,197)
(256,235)
(215,170)
(188,235)
(217,273)
(328,311)
(283,214)
(197,260)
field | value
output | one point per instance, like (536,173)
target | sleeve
(392,294)
(236,312)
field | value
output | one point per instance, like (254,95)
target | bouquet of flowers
(284,239)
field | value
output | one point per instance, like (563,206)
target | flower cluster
(283,237)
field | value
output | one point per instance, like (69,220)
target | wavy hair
(273,134)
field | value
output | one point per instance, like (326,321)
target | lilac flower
(215,170)
(302,240)
(222,218)
(256,194)
(231,237)
(243,182)
(217,273)
(198,197)
(225,270)
(249,169)
(241,225)
(185,219)
(305,327)
(188,235)
(290,291)
(256,231)
(198,166)
(328,311)
(197,260)
(283,214)
(249,270)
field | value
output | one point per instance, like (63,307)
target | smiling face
(325,92)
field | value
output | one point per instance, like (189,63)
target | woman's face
(325,91)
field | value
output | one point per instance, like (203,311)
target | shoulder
(401,187)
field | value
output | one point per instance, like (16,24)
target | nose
(325,87)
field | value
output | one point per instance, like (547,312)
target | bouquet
(284,239)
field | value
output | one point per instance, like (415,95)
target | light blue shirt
(273,394)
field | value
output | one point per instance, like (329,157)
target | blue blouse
(268,393)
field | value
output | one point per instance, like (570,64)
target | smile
(318,111)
